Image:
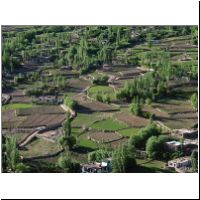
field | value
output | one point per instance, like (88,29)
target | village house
(185,133)
(188,145)
(98,167)
(173,145)
(180,164)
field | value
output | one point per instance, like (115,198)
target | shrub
(68,101)
(102,80)
(136,109)
(99,155)
(194,100)
(68,165)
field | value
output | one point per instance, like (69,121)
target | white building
(180,162)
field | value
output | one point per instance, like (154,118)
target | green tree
(68,101)
(12,154)
(11,157)
(155,146)
(123,159)
(69,166)
(67,141)
(139,140)
(194,100)
(194,159)
(136,109)
(99,155)
(149,39)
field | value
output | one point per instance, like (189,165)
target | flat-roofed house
(183,162)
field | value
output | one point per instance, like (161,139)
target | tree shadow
(82,150)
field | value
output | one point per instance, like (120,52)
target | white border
(102,12)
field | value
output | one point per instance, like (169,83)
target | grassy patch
(17,106)
(40,147)
(88,144)
(76,131)
(129,132)
(109,124)
(102,89)
(86,119)
(153,166)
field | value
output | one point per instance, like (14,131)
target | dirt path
(28,139)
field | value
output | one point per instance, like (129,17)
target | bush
(68,165)
(99,155)
(68,101)
(136,109)
(194,100)
(102,80)
(67,142)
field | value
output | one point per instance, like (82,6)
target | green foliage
(136,109)
(144,87)
(11,157)
(68,101)
(68,165)
(194,158)
(22,168)
(139,140)
(194,100)
(123,159)
(99,155)
(67,126)
(67,142)
(155,147)
(194,33)
(101,80)
(105,98)
(12,154)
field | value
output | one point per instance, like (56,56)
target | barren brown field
(40,110)
(42,120)
(132,120)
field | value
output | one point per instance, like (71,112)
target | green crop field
(109,124)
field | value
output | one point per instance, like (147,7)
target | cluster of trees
(155,148)
(139,140)
(123,159)
(47,86)
(43,89)
(99,155)
(150,86)
(68,165)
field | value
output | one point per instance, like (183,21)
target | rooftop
(181,159)
(176,143)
